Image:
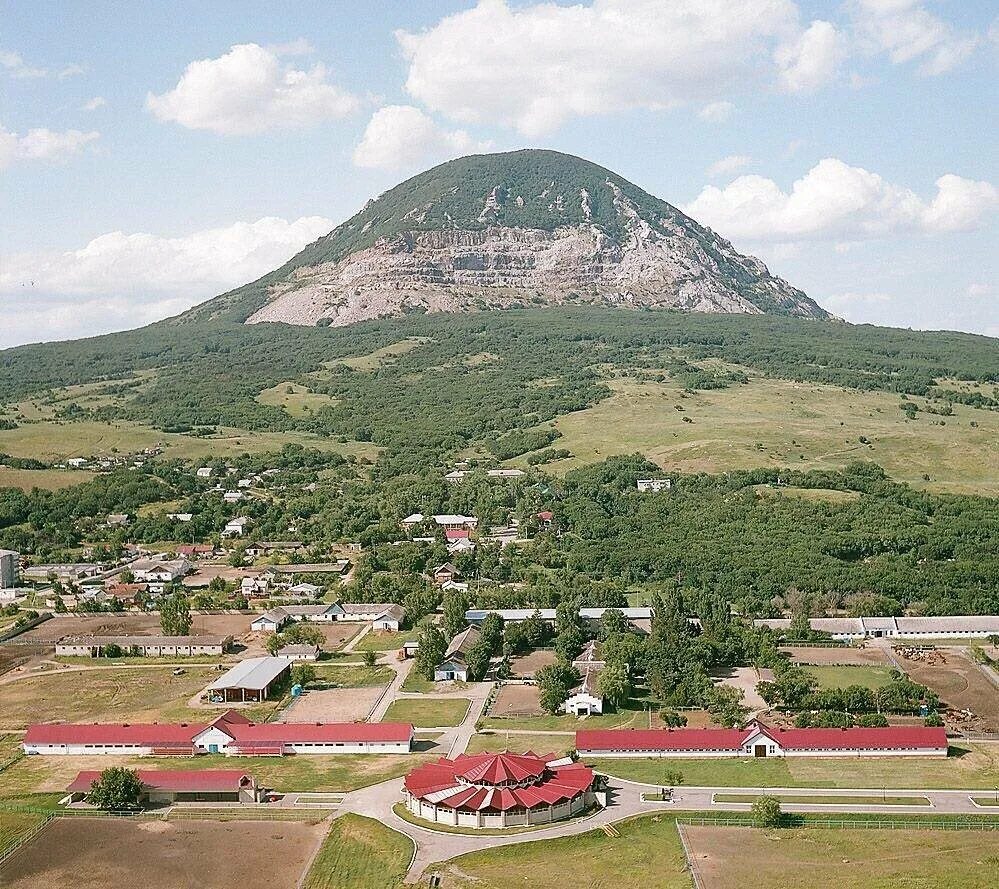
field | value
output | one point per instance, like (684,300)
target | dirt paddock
(526,665)
(845,656)
(517,700)
(961,685)
(332,705)
(92,853)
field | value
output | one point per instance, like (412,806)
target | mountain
(515,229)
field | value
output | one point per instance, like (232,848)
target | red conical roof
(499,768)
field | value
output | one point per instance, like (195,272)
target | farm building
(146,646)
(760,741)
(846,628)
(299,652)
(340,566)
(454,665)
(639,618)
(497,790)
(168,786)
(159,571)
(382,615)
(586,698)
(249,680)
(236,527)
(231,734)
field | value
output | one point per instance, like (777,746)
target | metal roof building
(249,680)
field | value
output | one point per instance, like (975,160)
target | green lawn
(986,800)
(647,854)
(360,853)
(386,640)
(626,717)
(14,825)
(295,399)
(499,741)
(429,712)
(969,766)
(417,682)
(352,676)
(832,800)
(841,677)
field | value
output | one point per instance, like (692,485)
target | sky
(154,155)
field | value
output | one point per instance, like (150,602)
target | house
(236,527)
(170,786)
(232,497)
(300,652)
(411,521)
(267,547)
(760,741)
(849,628)
(304,591)
(382,615)
(146,646)
(498,790)
(204,472)
(453,586)
(587,699)
(10,569)
(654,485)
(254,586)
(77,462)
(452,534)
(117,520)
(454,666)
(155,571)
(444,573)
(462,545)
(180,516)
(456,521)
(249,680)
(230,733)
(590,615)
(244,483)
(276,618)
(545,518)
(195,551)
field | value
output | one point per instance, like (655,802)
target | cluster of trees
(299,633)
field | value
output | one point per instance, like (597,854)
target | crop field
(108,694)
(972,766)
(89,853)
(812,858)
(841,677)
(961,685)
(774,423)
(428,712)
(360,853)
(835,656)
(646,854)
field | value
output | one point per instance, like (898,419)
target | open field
(14,825)
(47,479)
(525,666)
(831,800)
(360,853)
(517,700)
(498,742)
(972,766)
(295,399)
(353,675)
(961,685)
(386,640)
(56,627)
(647,854)
(104,694)
(812,858)
(745,680)
(90,854)
(333,772)
(840,655)
(623,718)
(773,422)
(54,440)
(841,677)
(428,712)
(13,656)
(374,360)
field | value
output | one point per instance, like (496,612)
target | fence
(957,823)
(25,838)
(695,874)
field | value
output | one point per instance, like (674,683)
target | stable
(249,680)
(168,786)
(144,646)
(455,664)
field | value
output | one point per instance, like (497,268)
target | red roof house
(499,789)
(170,785)
(760,740)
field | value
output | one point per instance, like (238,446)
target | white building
(236,527)
(586,699)
(654,485)
(455,666)
(232,497)
(848,628)
(146,646)
(299,652)
(204,472)
(154,571)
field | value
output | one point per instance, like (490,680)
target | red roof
(890,738)
(456,534)
(467,782)
(546,516)
(102,733)
(181,781)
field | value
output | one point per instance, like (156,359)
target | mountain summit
(521,228)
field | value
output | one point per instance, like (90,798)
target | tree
(303,674)
(303,633)
(237,558)
(369,658)
(672,777)
(455,605)
(555,683)
(477,661)
(126,576)
(672,719)
(60,606)
(615,686)
(491,632)
(431,650)
(613,622)
(113,650)
(766,811)
(175,615)
(724,703)
(116,790)
(504,670)
(274,643)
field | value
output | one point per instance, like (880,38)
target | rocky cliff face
(523,228)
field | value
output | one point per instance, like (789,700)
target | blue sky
(852,145)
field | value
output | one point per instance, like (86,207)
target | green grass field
(971,766)
(386,640)
(360,853)
(782,423)
(417,682)
(497,742)
(647,854)
(374,360)
(14,825)
(841,677)
(832,800)
(631,716)
(812,858)
(295,399)
(352,676)
(429,712)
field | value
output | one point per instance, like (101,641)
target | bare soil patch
(962,687)
(745,680)
(853,657)
(236,625)
(517,700)
(332,705)
(92,853)
(526,665)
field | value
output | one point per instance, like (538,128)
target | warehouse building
(143,646)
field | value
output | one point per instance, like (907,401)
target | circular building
(499,790)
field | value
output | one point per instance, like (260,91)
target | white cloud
(401,136)
(811,60)
(250,90)
(978,288)
(95,103)
(13,63)
(836,201)
(125,280)
(716,112)
(42,144)
(729,164)
(908,32)
(534,67)
(71,71)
